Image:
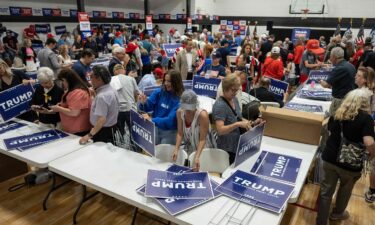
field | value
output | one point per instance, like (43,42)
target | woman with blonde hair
(351,132)
(64,57)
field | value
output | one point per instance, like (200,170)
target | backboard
(307,6)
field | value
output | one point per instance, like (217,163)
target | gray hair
(337,53)
(118,50)
(45,74)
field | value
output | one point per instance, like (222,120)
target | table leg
(54,187)
(134,215)
(84,198)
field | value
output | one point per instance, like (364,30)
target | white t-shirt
(189,58)
(126,88)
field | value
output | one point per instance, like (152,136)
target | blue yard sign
(303,107)
(315,95)
(300,33)
(15,101)
(277,166)
(188,84)
(318,75)
(170,49)
(249,144)
(163,184)
(206,86)
(26,142)
(256,190)
(143,132)
(278,87)
(10,125)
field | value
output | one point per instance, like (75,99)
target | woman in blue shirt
(163,103)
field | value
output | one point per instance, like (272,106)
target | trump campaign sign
(170,49)
(10,125)
(142,132)
(163,184)
(278,87)
(256,190)
(206,86)
(303,107)
(318,75)
(277,166)
(300,33)
(249,144)
(15,101)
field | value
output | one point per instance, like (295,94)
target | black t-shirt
(342,79)
(11,41)
(265,48)
(354,131)
(51,98)
(224,52)
(370,60)
(264,95)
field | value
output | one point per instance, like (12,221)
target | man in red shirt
(30,33)
(273,66)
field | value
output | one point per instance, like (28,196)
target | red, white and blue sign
(73,13)
(303,107)
(278,87)
(256,190)
(118,15)
(277,166)
(99,14)
(170,49)
(249,144)
(51,12)
(42,28)
(26,142)
(163,184)
(10,125)
(15,101)
(300,33)
(142,132)
(206,86)
(20,11)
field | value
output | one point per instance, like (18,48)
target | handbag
(242,130)
(351,155)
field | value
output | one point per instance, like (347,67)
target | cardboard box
(293,125)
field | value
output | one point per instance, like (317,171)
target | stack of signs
(142,132)
(26,142)
(249,144)
(319,95)
(277,166)
(198,183)
(278,87)
(257,190)
(318,75)
(15,101)
(304,107)
(10,125)
(206,86)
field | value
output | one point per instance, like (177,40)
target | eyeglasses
(234,90)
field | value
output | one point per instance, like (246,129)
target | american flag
(348,31)
(247,34)
(338,30)
(361,35)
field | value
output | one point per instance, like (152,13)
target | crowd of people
(95,102)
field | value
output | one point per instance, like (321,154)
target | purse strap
(233,111)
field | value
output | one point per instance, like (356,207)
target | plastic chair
(212,160)
(165,151)
(272,104)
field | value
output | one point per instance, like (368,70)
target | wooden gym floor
(24,207)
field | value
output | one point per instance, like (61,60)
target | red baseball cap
(118,33)
(314,46)
(158,72)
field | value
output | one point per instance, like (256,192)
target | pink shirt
(30,54)
(76,99)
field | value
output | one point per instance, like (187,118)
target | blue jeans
(165,136)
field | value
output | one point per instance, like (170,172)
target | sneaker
(342,216)
(370,197)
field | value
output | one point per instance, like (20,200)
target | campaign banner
(143,132)
(116,26)
(163,184)
(229,22)
(278,87)
(170,49)
(10,125)
(249,144)
(37,47)
(42,28)
(26,142)
(303,107)
(4,11)
(51,12)
(20,11)
(32,74)
(315,95)
(179,16)
(256,190)
(189,24)
(73,13)
(277,166)
(300,33)
(15,101)
(99,14)
(206,86)
(223,22)
(118,15)
(318,75)
(188,84)
(134,15)
(84,24)
(60,30)
(65,12)
(106,26)
(149,22)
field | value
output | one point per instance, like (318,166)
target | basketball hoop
(304,13)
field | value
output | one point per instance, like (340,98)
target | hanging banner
(60,30)
(21,11)
(84,24)
(51,12)
(118,15)
(303,107)
(300,33)
(278,87)
(249,144)
(4,11)
(149,23)
(65,12)
(143,132)
(37,12)
(277,166)
(318,75)
(170,49)
(73,13)
(163,184)
(15,101)
(256,190)
(206,86)
(10,125)
(99,14)
(25,142)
